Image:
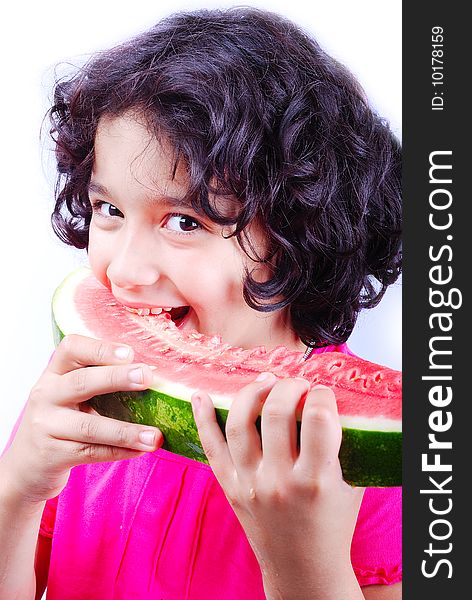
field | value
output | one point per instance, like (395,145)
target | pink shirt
(160,527)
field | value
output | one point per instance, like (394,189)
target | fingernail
(264,376)
(122,352)
(136,375)
(196,401)
(148,437)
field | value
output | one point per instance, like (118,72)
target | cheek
(225,279)
(98,256)
(216,278)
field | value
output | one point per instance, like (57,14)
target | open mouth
(176,314)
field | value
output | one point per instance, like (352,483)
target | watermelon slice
(368,395)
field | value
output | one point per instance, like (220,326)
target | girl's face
(152,250)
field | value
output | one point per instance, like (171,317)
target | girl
(223,165)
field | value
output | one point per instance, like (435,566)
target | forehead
(127,153)
(128,158)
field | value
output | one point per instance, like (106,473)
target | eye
(105,209)
(182,223)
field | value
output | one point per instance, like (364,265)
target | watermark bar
(437,398)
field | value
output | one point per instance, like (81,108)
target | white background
(36,36)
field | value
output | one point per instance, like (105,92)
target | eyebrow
(98,188)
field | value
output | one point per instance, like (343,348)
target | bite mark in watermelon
(368,395)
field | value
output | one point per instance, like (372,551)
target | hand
(58,431)
(296,510)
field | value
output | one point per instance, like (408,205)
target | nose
(133,265)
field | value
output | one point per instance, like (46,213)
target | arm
(19,526)
(383,592)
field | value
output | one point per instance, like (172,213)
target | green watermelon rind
(368,458)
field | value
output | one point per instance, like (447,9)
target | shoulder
(383,592)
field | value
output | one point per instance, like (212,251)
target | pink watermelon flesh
(362,388)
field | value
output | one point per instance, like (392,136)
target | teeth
(145,312)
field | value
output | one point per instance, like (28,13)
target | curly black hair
(261,114)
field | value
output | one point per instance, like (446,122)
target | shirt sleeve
(48,519)
(376,550)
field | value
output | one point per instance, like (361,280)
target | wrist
(306,579)
(11,496)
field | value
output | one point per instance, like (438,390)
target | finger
(211,437)
(320,435)
(279,423)
(243,439)
(86,429)
(77,454)
(76,351)
(84,383)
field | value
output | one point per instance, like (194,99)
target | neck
(271,330)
